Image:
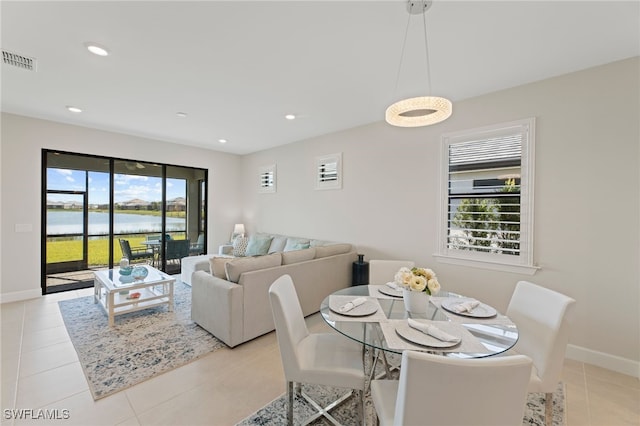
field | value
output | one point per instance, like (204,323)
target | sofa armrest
(217,306)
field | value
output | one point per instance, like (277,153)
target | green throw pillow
(258,245)
(296,244)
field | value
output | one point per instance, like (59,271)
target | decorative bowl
(126,270)
(139,272)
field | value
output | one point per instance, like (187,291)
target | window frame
(524,262)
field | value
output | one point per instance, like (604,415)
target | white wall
(587,192)
(21,147)
(587,197)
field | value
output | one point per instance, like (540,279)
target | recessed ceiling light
(73,109)
(96,49)
(290,117)
(181,114)
(222,140)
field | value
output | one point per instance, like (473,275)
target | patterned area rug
(142,344)
(275,412)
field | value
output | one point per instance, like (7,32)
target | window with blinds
(267,178)
(329,172)
(487,214)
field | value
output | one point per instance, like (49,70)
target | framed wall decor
(329,171)
(267,179)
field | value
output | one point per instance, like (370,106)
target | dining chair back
(327,359)
(543,320)
(440,390)
(383,271)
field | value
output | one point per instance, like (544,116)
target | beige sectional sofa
(231,299)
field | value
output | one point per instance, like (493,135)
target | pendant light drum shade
(420,111)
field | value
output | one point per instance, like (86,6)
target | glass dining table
(483,333)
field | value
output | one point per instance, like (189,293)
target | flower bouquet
(418,279)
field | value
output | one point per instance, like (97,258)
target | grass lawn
(62,251)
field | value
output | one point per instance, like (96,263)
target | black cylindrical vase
(360,271)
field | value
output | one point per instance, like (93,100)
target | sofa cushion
(318,243)
(296,256)
(240,246)
(296,244)
(332,250)
(236,267)
(258,245)
(277,244)
(217,266)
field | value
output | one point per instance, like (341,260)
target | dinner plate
(418,337)
(481,311)
(367,308)
(389,291)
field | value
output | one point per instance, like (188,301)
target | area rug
(141,345)
(275,412)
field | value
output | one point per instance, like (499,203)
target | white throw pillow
(240,246)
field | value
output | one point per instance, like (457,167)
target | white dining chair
(543,319)
(438,390)
(383,271)
(327,359)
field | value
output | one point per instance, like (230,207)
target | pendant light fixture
(422,110)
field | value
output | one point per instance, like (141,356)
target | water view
(70,222)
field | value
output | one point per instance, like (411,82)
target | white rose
(433,285)
(402,276)
(417,283)
(429,274)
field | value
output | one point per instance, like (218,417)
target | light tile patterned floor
(40,370)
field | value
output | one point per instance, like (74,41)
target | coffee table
(113,290)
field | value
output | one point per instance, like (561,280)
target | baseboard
(17,296)
(604,360)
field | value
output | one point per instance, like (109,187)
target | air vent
(20,61)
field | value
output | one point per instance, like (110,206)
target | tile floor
(40,369)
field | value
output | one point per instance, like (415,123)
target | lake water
(70,222)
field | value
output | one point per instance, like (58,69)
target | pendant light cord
(426,48)
(404,43)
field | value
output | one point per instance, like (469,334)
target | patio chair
(135,255)
(176,250)
(198,247)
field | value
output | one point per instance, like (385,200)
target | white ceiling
(238,67)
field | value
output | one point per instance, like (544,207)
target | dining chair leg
(359,395)
(290,403)
(548,409)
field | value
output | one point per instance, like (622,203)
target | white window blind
(267,179)
(488,187)
(329,172)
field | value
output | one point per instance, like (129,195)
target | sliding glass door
(92,205)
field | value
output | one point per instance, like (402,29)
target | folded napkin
(350,305)
(432,331)
(394,286)
(467,306)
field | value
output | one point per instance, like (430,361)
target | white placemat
(468,344)
(374,292)
(461,319)
(339,300)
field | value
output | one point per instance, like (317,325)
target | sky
(127,187)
